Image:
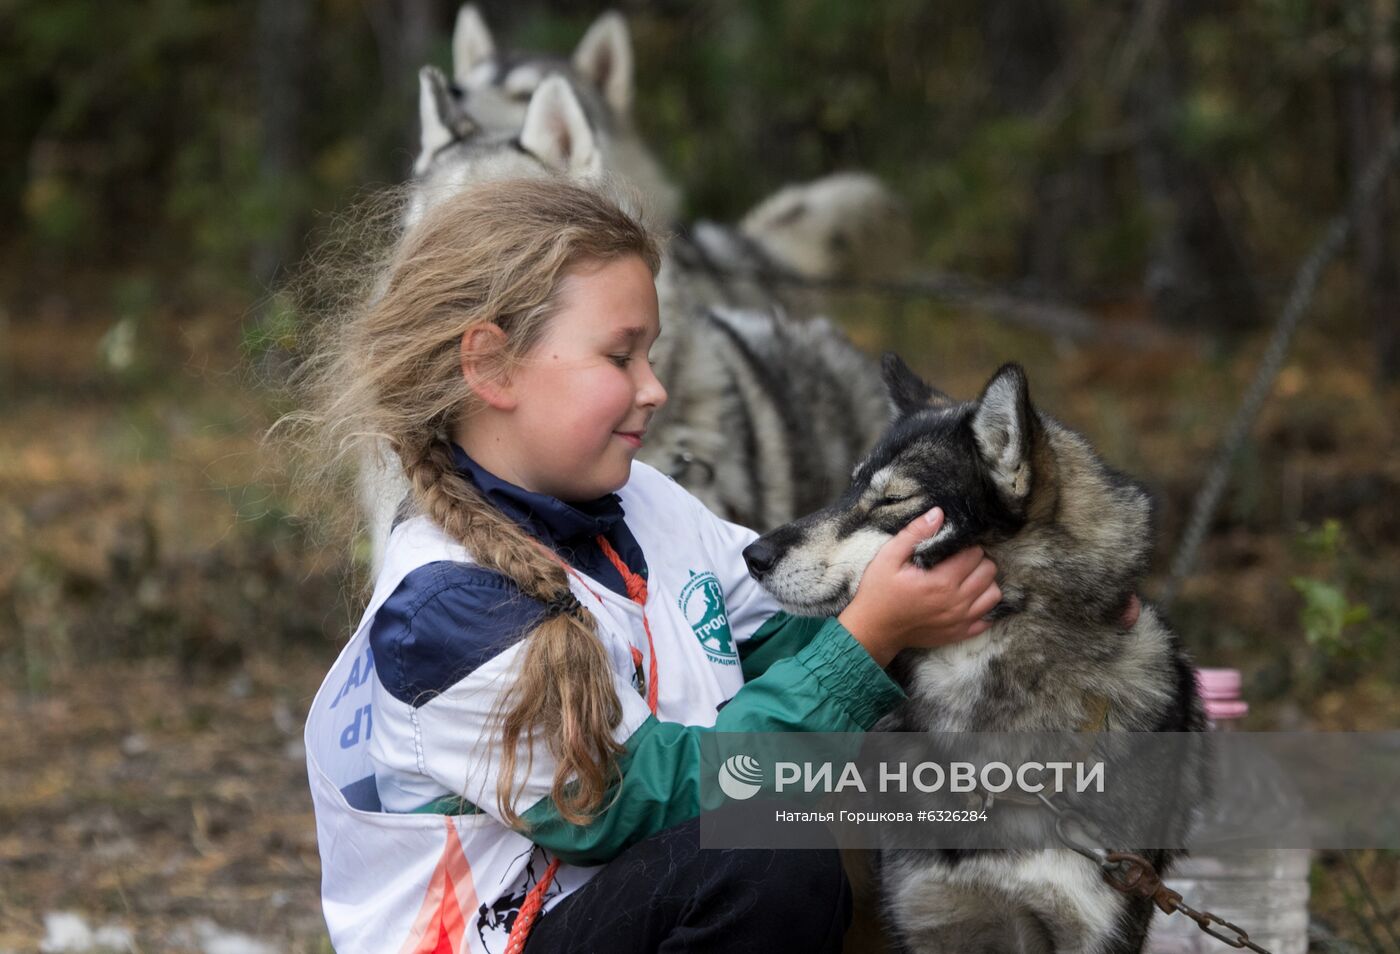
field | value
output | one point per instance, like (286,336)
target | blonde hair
(391,372)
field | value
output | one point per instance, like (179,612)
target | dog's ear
(442,122)
(908,392)
(557,132)
(472,44)
(1004,426)
(604,58)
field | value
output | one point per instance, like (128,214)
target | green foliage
(274,332)
(59,211)
(1323,543)
(1327,613)
(140,135)
(1333,624)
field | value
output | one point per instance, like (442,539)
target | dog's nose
(760,556)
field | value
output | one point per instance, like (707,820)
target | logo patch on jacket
(702,602)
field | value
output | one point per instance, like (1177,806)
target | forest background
(1158,169)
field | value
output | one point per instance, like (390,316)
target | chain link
(1129,873)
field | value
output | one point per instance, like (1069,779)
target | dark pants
(665,894)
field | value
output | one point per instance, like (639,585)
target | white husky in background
(848,225)
(843,226)
(495,88)
(767,414)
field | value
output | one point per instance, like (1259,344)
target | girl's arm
(781,635)
(431,740)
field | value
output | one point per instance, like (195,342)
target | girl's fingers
(985,603)
(957,567)
(979,579)
(903,544)
(978,628)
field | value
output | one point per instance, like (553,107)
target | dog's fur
(1071,540)
(555,137)
(494,88)
(766,416)
(846,225)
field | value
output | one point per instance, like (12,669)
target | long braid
(574,715)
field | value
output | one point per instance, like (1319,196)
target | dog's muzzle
(760,557)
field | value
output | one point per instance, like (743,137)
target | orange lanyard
(637,593)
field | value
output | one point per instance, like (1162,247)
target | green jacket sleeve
(831,684)
(778,638)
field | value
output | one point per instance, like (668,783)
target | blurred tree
(1025,46)
(1363,80)
(1090,147)
(1197,273)
(283,31)
(404,32)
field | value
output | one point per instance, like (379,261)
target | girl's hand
(899,606)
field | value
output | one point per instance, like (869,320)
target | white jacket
(399,881)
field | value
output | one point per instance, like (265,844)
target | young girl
(508,747)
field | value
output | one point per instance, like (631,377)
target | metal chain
(1133,874)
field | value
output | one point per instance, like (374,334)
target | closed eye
(888,501)
(621,360)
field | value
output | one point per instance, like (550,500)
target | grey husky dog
(495,87)
(841,226)
(1071,540)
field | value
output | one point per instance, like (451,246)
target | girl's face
(585,393)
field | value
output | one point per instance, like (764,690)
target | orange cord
(637,593)
(525,917)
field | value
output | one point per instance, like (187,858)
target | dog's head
(513,115)
(495,85)
(457,152)
(984,462)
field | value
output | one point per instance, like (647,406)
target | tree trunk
(1197,273)
(282,33)
(1025,44)
(403,32)
(1365,107)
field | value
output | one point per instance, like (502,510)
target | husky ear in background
(441,122)
(1004,426)
(472,44)
(604,58)
(908,392)
(557,132)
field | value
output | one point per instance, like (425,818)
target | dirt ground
(165,619)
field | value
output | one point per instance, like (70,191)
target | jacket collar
(547,518)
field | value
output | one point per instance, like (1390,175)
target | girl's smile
(575,411)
